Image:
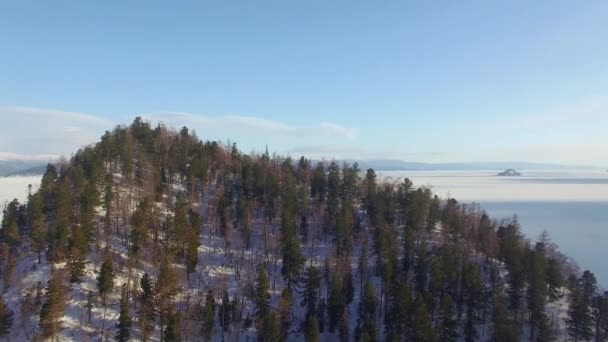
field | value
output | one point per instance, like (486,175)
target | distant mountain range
(21,167)
(400,165)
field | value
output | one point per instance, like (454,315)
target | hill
(21,167)
(153,234)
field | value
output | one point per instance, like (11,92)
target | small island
(509,172)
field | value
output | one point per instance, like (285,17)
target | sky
(427,81)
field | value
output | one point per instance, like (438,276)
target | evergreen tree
(366,329)
(344,329)
(225,312)
(171,333)
(335,304)
(310,295)
(600,316)
(270,330)
(397,318)
(504,328)
(54,306)
(311,329)
(555,279)
(166,288)
(293,260)
(285,312)
(448,324)
(125,322)
(537,287)
(105,279)
(579,322)
(512,253)
(349,288)
(474,300)
(192,243)
(262,294)
(38,223)
(321,314)
(208,316)
(146,307)
(78,250)
(422,325)
(6,318)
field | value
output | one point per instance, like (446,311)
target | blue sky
(432,81)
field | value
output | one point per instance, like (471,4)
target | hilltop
(154,234)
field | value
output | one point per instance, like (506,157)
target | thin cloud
(10,156)
(335,129)
(251,125)
(30,133)
(46,113)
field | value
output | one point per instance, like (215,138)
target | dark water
(580,229)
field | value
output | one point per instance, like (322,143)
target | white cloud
(234,126)
(30,133)
(334,129)
(227,122)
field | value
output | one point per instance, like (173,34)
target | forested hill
(152,234)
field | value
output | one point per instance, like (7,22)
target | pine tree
(504,329)
(165,290)
(54,306)
(366,329)
(311,329)
(310,295)
(555,279)
(344,329)
(146,307)
(335,304)
(262,294)
(422,324)
(140,220)
(512,253)
(474,300)
(270,330)
(321,314)
(171,333)
(537,287)
(208,316)
(545,331)
(397,316)
(6,318)
(105,283)
(105,279)
(225,312)
(448,325)
(349,288)
(192,243)
(78,250)
(579,321)
(293,260)
(125,322)
(37,219)
(285,312)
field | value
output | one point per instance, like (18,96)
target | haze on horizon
(442,82)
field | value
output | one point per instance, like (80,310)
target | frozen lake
(16,187)
(572,205)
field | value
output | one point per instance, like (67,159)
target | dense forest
(152,234)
